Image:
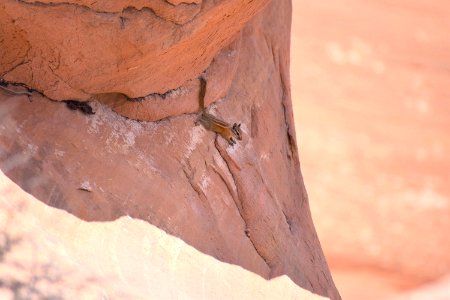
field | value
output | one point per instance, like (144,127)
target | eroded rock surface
(244,205)
(77,49)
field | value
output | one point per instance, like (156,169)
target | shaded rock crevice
(184,99)
(232,191)
(284,96)
(239,206)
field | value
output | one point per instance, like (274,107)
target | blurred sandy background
(371,93)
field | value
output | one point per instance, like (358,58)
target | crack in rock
(287,111)
(240,208)
(191,182)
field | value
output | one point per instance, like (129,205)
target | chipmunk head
(237,131)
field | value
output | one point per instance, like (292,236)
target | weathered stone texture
(244,205)
(75,49)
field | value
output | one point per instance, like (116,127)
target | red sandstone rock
(75,49)
(184,99)
(244,205)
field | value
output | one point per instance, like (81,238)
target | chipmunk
(227,131)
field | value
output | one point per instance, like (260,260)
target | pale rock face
(47,252)
(245,205)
